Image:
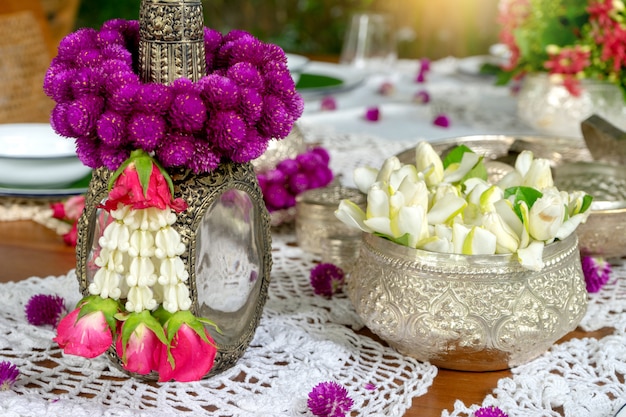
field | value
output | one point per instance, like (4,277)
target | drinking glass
(370,42)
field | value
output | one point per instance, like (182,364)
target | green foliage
(303,26)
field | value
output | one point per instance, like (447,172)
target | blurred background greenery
(316,27)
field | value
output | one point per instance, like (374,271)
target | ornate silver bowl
(467,312)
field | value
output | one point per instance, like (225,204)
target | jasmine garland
(247,98)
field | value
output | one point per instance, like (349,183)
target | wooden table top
(29,249)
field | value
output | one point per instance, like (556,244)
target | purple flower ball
(276,176)
(288,166)
(309,161)
(221,92)
(596,272)
(245,74)
(372,114)
(276,120)
(123,99)
(327,279)
(322,176)
(329,399)
(188,112)
(87,149)
(276,197)
(205,159)
(111,128)
(86,82)
(45,309)
(176,150)
(83,114)
(250,105)
(227,129)
(146,131)
(112,157)
(442,120)
(153,98)
(322,154)
(298,183)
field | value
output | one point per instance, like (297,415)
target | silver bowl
(467,312)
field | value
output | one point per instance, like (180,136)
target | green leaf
(587,200)
(144,166)
(402,240)
(455,155)
(479,171)
(526,194)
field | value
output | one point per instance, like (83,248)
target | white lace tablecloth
(304,339)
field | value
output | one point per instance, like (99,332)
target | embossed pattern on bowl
(467,312)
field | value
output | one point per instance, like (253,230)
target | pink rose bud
(88,336)
(193,356)
(137,342)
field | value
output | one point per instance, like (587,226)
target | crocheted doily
(302,340)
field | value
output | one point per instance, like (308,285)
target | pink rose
(140,337)
(138,356)
(193,356)
(88,336)
(88,330)
(153,191)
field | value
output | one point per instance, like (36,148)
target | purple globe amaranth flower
(89,58)
(245,74)
(249,67)
(327,279)
(86,82)
(205,158)
(58,121)
(122,100)
(275,118)
(387,88)
(71,45)
(188,112)
(250,105)
(596,271)
(322,153)
(176,150)
(299,183)
(288,166)
(490,411)
(227,129)
(83,114)
(441,120)
(88,151)
(107,37)
(321,177)
(8,375)
(372,114)
(309,161)
(111,128)
(153,98)
(112,157)
(45,309)
(58,85)
(276,196)
(146,131)
(280,84)
(329,399)
(221,92)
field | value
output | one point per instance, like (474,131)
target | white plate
(33,156)
(45,192)
(296,63)
(348,77)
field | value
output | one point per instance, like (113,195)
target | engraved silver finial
(171,40)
